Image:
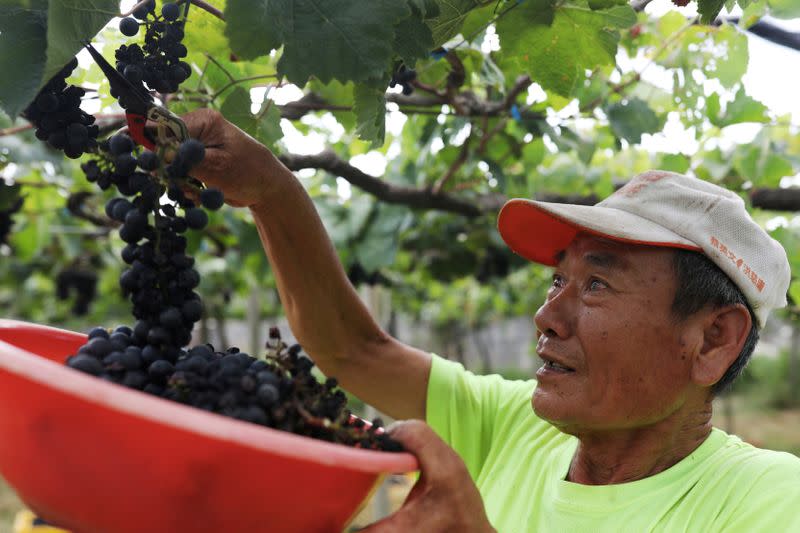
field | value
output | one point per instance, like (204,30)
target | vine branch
(457,164)
(384,191)
(205,6)
(241,80)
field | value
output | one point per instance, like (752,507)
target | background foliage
(537,98)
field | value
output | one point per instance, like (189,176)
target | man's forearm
(324,311)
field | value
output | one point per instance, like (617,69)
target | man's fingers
(401,521)
(435,456)
(200,124)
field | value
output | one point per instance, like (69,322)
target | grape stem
(240,80)
(205,6)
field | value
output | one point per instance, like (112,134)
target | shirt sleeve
(465,409)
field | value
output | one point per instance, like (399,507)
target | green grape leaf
(345,40)
(620,17)
(533,153)
(336,94)
(765,169)
(23,41)
(427,8)
(557,55)
(630,119)
(784,9)
(206,33)
(265,126)
(254,27)
(377,241)
(452,14)
(370,109)
(412,39)
(268,125)
(669,24)
(605,4)
(752,14)
(709,9)
(674,163)
(731,66)
(478,20)
(569,140)
(69,24)
(236,108)
(743,108)
(794,290)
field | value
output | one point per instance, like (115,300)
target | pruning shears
(141,107)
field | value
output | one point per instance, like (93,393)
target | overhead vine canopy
(507,98)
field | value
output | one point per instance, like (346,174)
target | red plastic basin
(94,457)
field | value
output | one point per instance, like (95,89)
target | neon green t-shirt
(519,463)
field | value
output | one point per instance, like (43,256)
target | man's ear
(724,333)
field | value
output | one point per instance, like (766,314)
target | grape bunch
(403,76)
(6,220)
(160,280)
(58,118)
(80,283)
(278,391)
(158,62)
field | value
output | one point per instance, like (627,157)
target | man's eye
(596,285)
(558,281)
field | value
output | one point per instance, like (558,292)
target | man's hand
(244,170)
(445,498)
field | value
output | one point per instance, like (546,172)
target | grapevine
(158,202)
(58,118)
(6,220)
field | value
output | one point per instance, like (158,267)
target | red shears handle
(136,127)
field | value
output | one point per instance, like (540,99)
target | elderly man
(657,298)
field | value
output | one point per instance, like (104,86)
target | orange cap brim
(539,231)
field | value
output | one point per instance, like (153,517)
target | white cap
(659,208)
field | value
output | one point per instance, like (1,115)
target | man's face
(608,319)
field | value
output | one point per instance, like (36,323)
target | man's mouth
(552,365)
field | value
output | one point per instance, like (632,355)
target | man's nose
(554,318)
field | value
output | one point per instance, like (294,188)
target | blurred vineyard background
(562,101)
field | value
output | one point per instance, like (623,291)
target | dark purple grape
(98,332)
(191,152)
(196,218)
(211,198)
(86,363)
(142,11)
(170,11)
(125,164)
(120,144)
(129,26)
(47,102)
(268,395)
(148,160)
(192,310)
(133,73)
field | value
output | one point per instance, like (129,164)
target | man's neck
(621,456)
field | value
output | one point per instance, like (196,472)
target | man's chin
(550,407)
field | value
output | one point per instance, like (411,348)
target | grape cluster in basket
(278,391)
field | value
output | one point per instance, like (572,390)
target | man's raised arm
(325,313)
